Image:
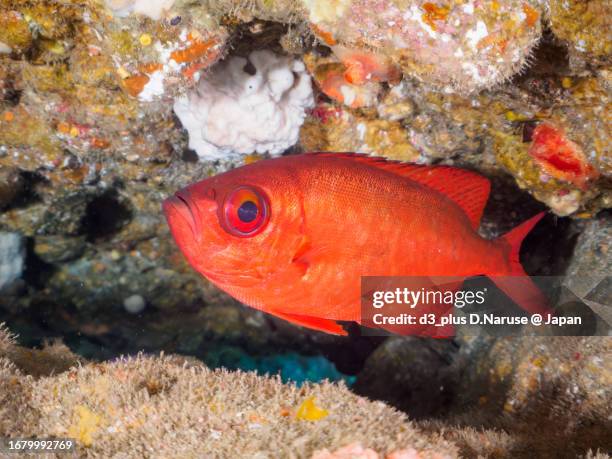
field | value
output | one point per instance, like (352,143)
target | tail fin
(516,283)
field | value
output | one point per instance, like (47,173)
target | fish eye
(245,212)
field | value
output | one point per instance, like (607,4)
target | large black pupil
(247,212)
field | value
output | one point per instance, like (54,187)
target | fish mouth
(179,204)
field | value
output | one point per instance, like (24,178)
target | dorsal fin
(467,189)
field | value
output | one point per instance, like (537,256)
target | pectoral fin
(314,323)
(307,255)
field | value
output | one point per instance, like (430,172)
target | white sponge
(245,106)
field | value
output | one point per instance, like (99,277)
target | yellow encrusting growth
(309,411)
(86,424)
(434,13)
(145,39)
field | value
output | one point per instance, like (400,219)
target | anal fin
(314,323)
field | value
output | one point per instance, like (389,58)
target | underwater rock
(11,185)
(495,132)
(412,374)
(333,128)
(557,386)
(396,105)
(57,249)
(462,46)
(588,274)
(12,257)
(585,29)
(562,163)
(98,77)
(178,407)
(161,57)
(134,304)
(252,105)
(102,280)
(231,322)
(15,33)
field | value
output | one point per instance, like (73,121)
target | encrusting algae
(585,26)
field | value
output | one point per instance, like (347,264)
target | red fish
(292,236)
